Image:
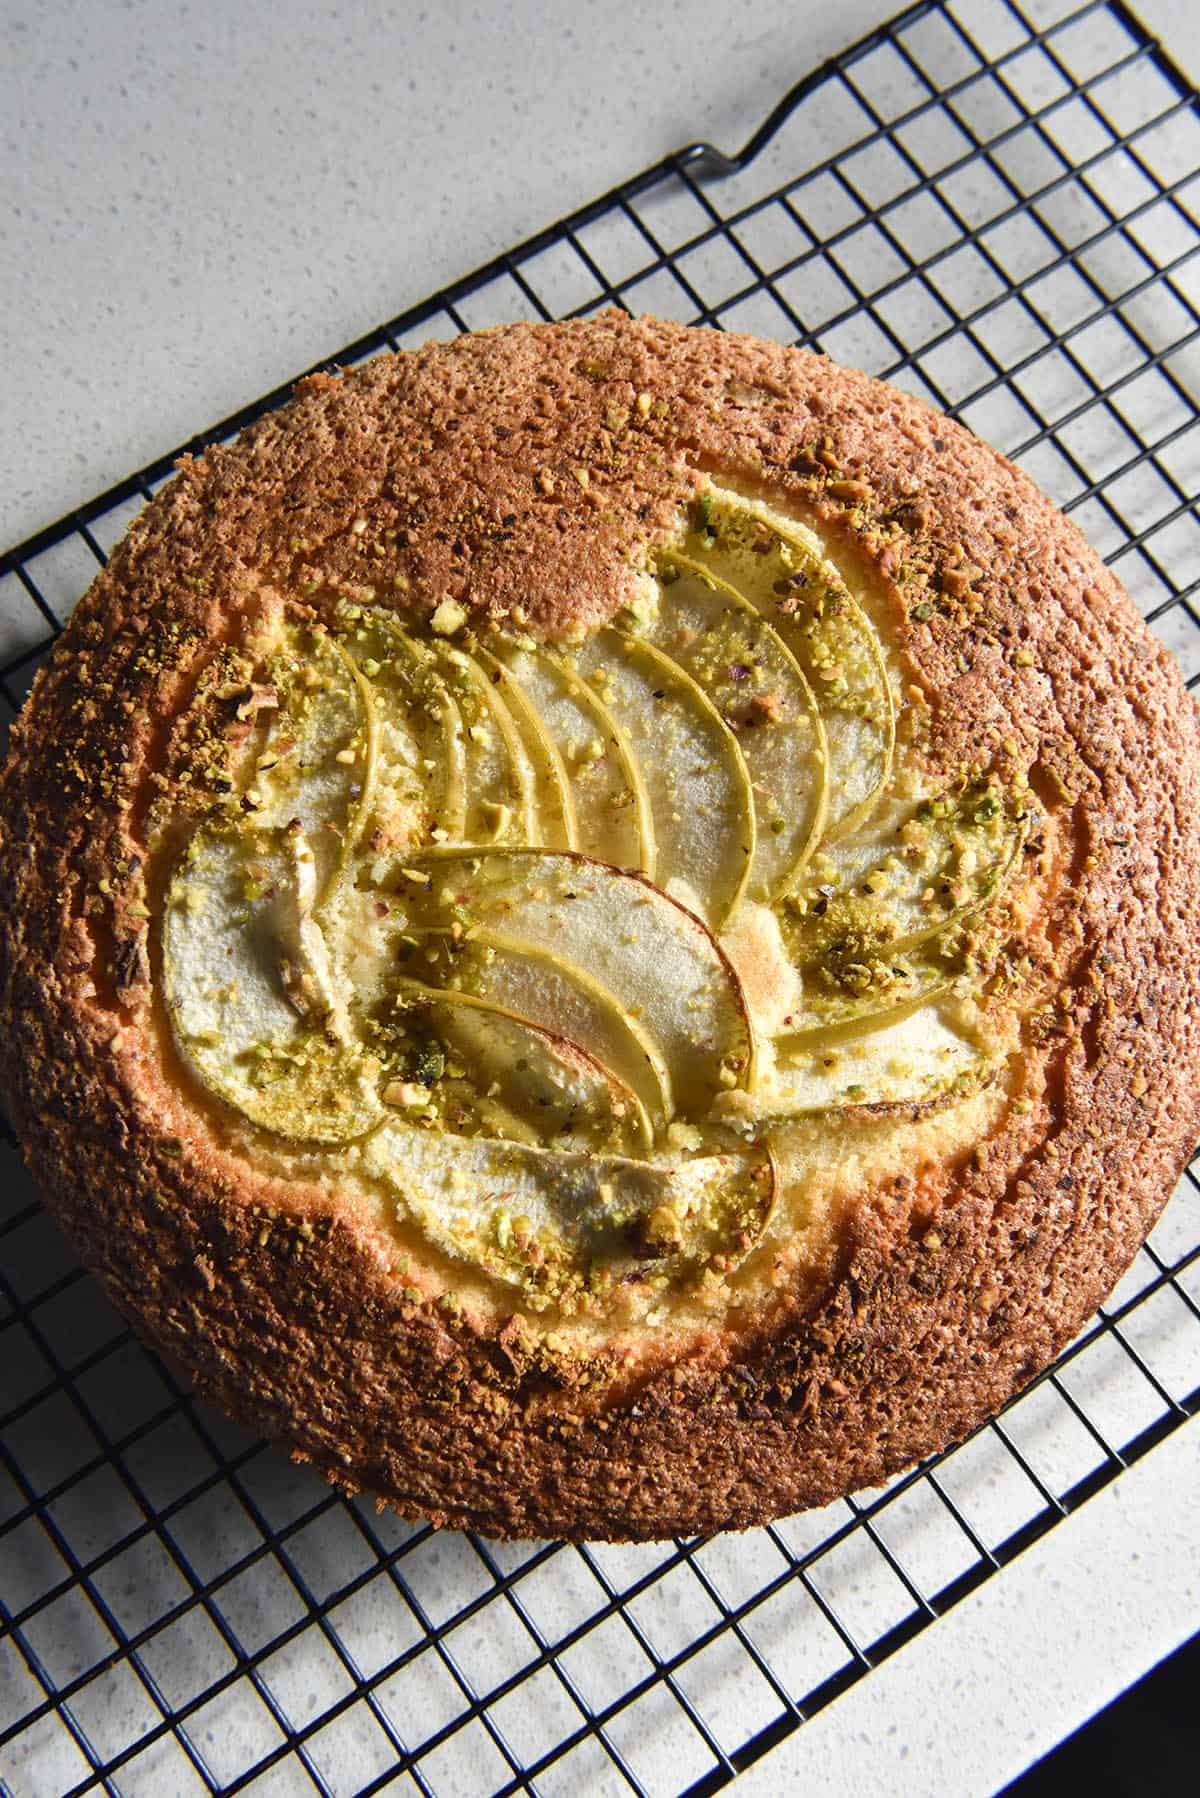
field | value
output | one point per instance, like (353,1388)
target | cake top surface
(566,951)
(609,860)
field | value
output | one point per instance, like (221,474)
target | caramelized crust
(526,475)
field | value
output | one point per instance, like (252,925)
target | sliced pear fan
(912,1055)
(691,766)
(553,803)
(660,964)
(612,808)
(532,1217)
(500,778)
(553,1088)
(248,993)
(763,695)
(786,576)
(539,984)
(545,1013)
(422,762)
(318,764)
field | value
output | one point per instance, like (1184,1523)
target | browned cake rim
(530,468)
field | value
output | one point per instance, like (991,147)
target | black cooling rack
(995,207)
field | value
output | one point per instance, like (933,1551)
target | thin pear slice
(762,693)
(847,669)
(914,1055)
(782,569)
(451,735)
(541,985)
(247,990)
(500,777)
(923,868)
(553,803)
(557,1088)
(547,1221)
(887,985)
(318,763)
(422,761)
(659,962)
(613,819)
(692,767)
(849,1024)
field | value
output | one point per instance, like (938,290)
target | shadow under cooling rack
(995,208)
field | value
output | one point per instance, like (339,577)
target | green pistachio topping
(559,940)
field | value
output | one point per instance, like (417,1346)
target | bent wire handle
(703,158)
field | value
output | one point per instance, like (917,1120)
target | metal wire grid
(992,206)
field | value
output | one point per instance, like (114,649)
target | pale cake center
(577,951)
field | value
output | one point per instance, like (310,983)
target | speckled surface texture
(813,1387)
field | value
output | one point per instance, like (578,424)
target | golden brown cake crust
(532,467)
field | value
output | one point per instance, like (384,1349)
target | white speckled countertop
(199,199)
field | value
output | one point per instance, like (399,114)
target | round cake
(599,928)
